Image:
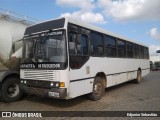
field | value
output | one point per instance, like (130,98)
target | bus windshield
(46,47)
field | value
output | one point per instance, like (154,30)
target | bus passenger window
(72,39)
(136,51)
(97,45)
(84,45)
(110,43)
(141,52)
(78,47)
(129,50)
(121,48)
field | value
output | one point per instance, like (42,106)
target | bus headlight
(51,84)
(21,81)
(25,82)
(57,84)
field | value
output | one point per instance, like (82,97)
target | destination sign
(53,33)
(41,66)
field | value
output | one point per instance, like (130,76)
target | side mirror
(158,51)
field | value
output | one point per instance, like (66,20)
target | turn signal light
(62,84)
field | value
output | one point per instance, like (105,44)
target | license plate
(37,91)
(53,94)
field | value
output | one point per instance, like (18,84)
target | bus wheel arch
(103,77)
(99,86)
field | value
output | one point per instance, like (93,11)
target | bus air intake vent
(48,75)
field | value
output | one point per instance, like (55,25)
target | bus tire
(139,77)
(98,89)
(10,91)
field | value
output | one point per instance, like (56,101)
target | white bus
(65,58)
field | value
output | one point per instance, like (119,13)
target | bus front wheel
(98,89)
(10,91)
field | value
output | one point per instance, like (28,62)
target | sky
(135,19)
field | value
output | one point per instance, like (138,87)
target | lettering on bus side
(56,33)
(43,66)
(28,66)
(49,66)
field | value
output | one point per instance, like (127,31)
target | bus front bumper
(60,93)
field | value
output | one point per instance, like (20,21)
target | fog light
(62,84)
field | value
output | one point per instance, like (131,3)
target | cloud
(154,33)
(88,16)
(85,12)
(82,4)
(126,10)
(119,10)
(153,49)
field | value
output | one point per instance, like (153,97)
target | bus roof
(65,20)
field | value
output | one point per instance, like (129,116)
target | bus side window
(136,51)
(121,45)
(97,45)
(141,52)
(146,54)
(110,43)
(129,50)
(82,45)
(72,40)
(78,47)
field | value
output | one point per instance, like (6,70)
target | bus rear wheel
(139,77)
(98,89)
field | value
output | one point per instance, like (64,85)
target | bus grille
(38,83)
(47,75)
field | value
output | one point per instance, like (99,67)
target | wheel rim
(12,90)
(98,89)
